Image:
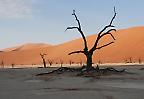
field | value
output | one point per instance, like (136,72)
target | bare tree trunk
(12,65)
(140,61)
(61,63)
(44,63)
(43,58)
(89,61)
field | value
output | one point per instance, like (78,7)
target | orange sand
(129,43)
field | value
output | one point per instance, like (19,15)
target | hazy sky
(44,21)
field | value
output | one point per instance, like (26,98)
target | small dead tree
(61,63)
(12,65)
(130,60)
(89,52)
(99,62)
(2,64)
(70,62)
(43,59)
(50,62)
(139,60)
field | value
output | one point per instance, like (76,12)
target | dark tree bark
(89,61)
(89,52)
(43,59)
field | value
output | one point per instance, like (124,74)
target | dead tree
(12,65)
(139,61)
(2,64)
(61,63)
(89,52)
(50,62)
(43,59)
(99,62)
(70,62)
(130,60)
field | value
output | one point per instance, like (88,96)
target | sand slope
(129,44)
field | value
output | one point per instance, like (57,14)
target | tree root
(97,72)
(60,70)
(83,71)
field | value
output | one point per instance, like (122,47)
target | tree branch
(76,19)
(113,16)
(76,52)
(111,30)
(100,35)
(110,25)
(104,45)
(108,33)
(71,28)
(80,31)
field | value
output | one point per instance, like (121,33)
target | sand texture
(23,84)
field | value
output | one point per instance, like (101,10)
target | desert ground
(22,83)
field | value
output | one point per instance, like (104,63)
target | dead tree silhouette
(139,60)
(130,60)
(99,62)
(12,65)
(89,52)
(61,62)
(89,70)
(70,62)
(43,59)
(50,62)
(2,64)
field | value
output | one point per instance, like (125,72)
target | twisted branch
(100,35)
(80,31)
(76,52)
(108,33)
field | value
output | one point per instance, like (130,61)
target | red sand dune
(129,43)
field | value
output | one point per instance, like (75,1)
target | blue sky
(44,21)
